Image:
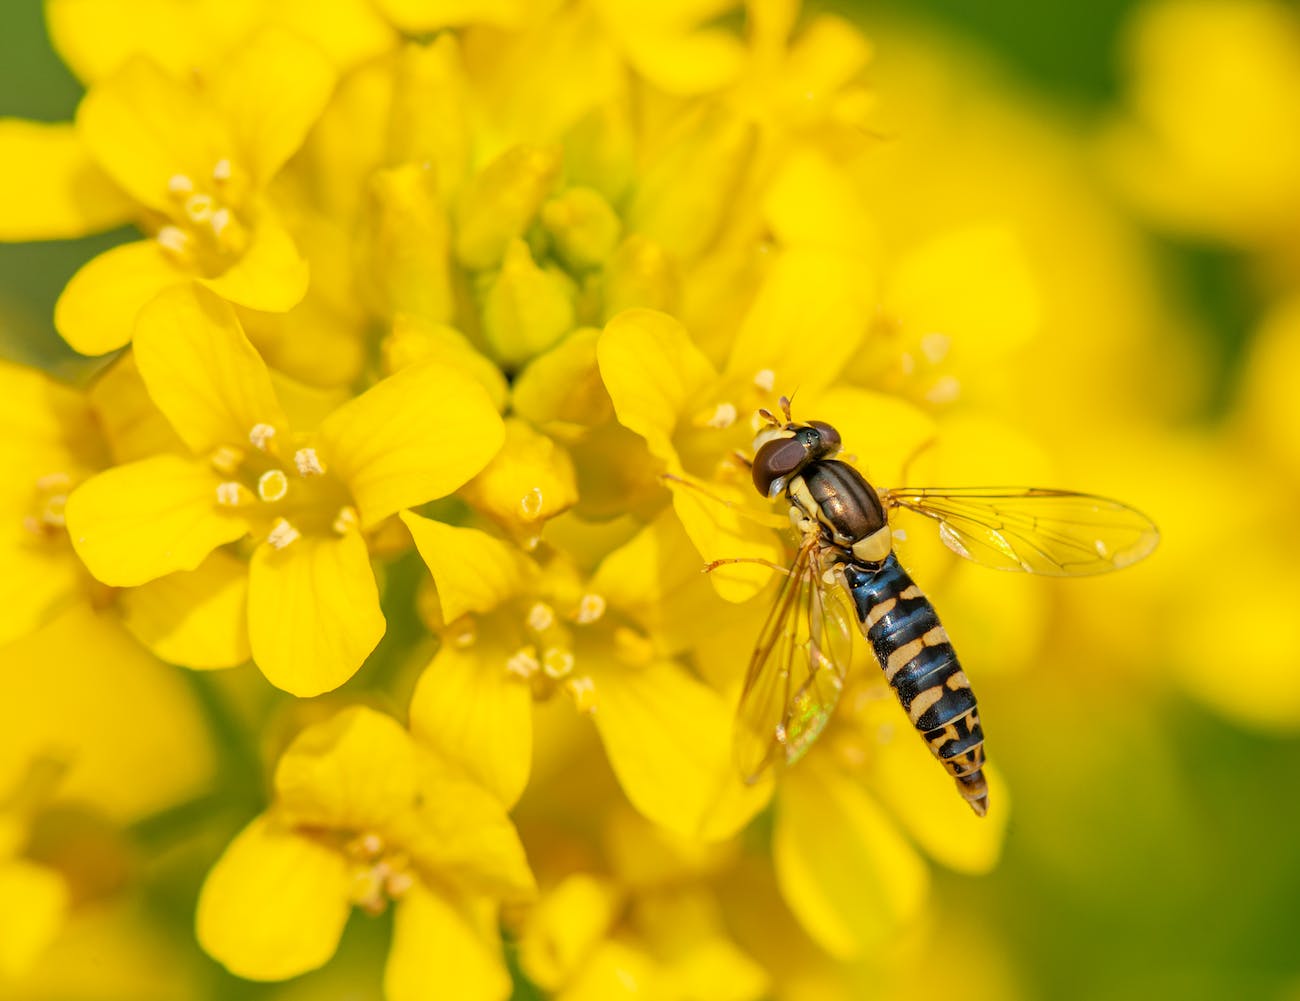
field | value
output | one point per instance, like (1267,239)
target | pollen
(220,221)
(272,485)
(180,184)
(765,379)
(935,347)
(523,663)
(282,534)
(233,494)
(226,459)
(346,520)
(541,617)
(174,240)
(307,462)
(260,436)
(531,503)
(946,389)
(590,608)
(557,662)
(583,692)
(222,170)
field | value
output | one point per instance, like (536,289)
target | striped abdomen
(922,668)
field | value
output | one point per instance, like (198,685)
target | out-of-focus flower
(363,816)
(313,606)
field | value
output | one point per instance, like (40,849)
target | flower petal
(438,948)
(201,370)
(38,574)
(353,772)
(53,189)
(33,907)
(562,929)
(528,482)
(97,309)
(134,523)
(414,437)
(846,872)
(313,612)
(197,619)
(275,903)
(474,571)
(668,738)
(719,531)
(271,92)
(144,127)
(654,374)
(270,275)
(128,419)
(470,710)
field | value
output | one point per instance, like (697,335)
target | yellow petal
(693,63)
(33,908)
(53,189)
(197,619)
(134,523)
(718,530)
(97,309)
(654,374)
(440,951)
(474,571)
(527,309)
(270,274)
(813,202)
(561,391)
(275,903)
(469,709)
(202,372)
(564,927)
(271,92)
(859,414)
(668,738)
(716,968)
(130,421)
(39,574)
(145,127)
(806,320)
(134,739)
(528,482)
(414,437)
(406,245)
(414,340)
(848,875)
(461,831)
(500,202)
(615,970)
(352,772)
(313,612)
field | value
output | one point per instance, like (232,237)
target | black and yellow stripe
(922,668)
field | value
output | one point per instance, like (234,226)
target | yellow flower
(307,500)
(519,630)
(364,817)
(195,161)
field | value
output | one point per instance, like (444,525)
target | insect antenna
(710,567)
(762,518)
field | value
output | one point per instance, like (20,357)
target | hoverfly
(798,666)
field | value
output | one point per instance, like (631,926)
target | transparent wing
(1056,533)
(796,672)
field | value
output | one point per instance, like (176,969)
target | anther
(346,520)
(53,481)
(233,494)
(724,415)
(945,390)
(370,844)
(590,608)
(272,485)
(222,169)
(765,379)
(583,692)
(523,663)
(399,884)
(226,459)
(935,347)
(531,503)
(282,534)
(557,662)
(540,617)
(179,184)
(260,436)
(174,240)
(220,221)
(307,462)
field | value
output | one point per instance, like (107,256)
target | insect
(845,567)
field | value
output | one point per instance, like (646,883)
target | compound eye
(775,462)
(830,438)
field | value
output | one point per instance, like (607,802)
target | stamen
(557,663)
(222,170)
(346,520)
(272,485)
(632,647)
(724,415)
(308,462)
(370,844)
(765,379)
(260,435)
(53,481)
(233,494)
(399,884)
(220,221)
(226,459)
(282,534)
(935,347)
(541,617)
(174,240)
(583,692)
(52,512)
(899,534)
(179,184)
(523,663)
(463,633)
(945,390)
(199,207)
(531,503)
(590,608)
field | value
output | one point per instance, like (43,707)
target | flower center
(546,659)
(378,873)
(206,230)
(45,512)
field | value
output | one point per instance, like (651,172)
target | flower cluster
(424,383)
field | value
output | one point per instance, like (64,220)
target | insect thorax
(844,505)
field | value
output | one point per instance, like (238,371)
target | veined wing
(1056,533)
(796,673)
